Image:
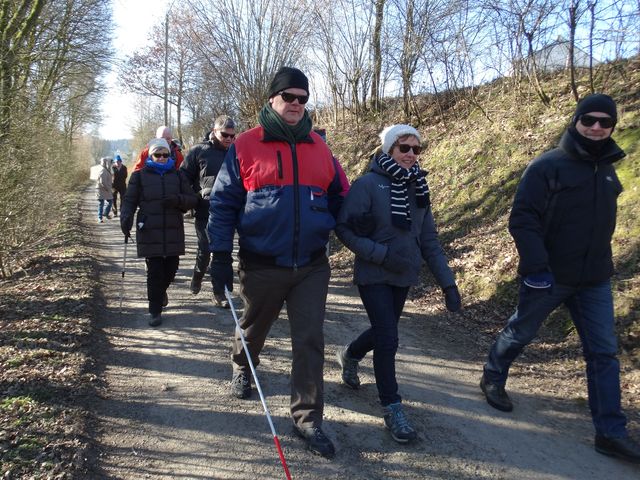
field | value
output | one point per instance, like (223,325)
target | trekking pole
(124,264)
(255,377)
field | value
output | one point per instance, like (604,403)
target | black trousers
(160,273)
(116,194)
(202,255)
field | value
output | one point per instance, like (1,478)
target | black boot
(196,282)
(496,395)
(625,448)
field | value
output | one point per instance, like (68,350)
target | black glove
(363,225)
(171,201)
(539,281)
(125,225)
(221,271)
(203,203)
(452,298)
(395,262)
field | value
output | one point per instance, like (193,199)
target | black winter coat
(159,227)
(201,167)
(120,179)
(564,213)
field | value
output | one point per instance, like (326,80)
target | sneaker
(625,448)
(219,300)
(316,440)
(349,368)
(241,385)
(496,395)
(196,283)
(100,220)
(396,421)
(155,320)
(165,299)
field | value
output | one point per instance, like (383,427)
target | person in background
(201,166)
(279,188)
(119,182)
(562,222)
(386,220)
(176,149)
(104,185)
(161,195)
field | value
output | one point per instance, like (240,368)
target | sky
(130,19)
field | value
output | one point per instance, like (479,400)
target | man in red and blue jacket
(279,188)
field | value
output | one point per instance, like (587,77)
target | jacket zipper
(164,219)
(296,206)
(595,211)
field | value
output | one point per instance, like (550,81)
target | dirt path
(166,412)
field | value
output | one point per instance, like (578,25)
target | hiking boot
(625,448)
(196,283)
(496,395)
(241,385)
(349,368)
(316,440)
(219,300)
(165,299)
(155,320)
(396,421)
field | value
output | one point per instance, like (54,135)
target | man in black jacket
(119,182)
(201,167)
(562,222)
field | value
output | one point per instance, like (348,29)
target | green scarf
(276,127)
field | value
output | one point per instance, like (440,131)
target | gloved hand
(221,272)
(363,225)
(452,298)
(203,203)
(395,262)
(171,201)
(539,281)
(125,225)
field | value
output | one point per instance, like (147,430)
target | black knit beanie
(596,102)
(288,77)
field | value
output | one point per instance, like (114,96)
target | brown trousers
(264,291)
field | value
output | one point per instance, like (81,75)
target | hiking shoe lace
(398,424)
(349,368)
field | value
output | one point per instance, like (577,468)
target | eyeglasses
(290,97)
(590,121)
(227,135)
(158,155)
(404,148)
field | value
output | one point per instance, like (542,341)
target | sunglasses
(290,97)
(158,155)
(227,135)
(404,148)
(590,121)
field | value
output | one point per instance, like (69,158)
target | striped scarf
(400,180)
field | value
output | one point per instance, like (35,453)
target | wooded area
(205,58)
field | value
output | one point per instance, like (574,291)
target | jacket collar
(610,153)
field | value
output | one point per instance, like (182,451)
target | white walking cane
(255,377)
(124,265)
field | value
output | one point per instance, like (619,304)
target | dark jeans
(160,273)
(264,291)
(384,304)
(591,310)
(202,254)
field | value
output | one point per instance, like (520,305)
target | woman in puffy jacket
(161,194)
(386,221)
(104,189)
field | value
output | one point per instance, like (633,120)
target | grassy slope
(475,159)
